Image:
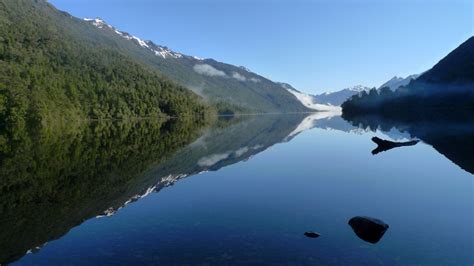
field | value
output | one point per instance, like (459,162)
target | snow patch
(158,50)
(164,182)
(98,22)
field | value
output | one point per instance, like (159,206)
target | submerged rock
(312,234)
(368,229)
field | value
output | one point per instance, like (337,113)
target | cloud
(241,151)
(256,147)
(239,77)
(256,80)
(208,70)
(213,159)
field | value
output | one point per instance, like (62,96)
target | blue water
(255,211)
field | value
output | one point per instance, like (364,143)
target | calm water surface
(243,191)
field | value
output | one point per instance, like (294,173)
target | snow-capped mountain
(309,100)
(158,50)
(338,97)
(218,82)
(395,82)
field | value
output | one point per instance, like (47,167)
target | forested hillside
(221,84)
(448,86)
(48,72)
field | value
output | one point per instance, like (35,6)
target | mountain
(220,83)
(395,82)
(456,68)
(442,93)
(328,101)
(308,100)
(338,97)
(55,67)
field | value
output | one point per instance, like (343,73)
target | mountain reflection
(55,179)
(450,134)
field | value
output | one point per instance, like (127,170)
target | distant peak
(358,88)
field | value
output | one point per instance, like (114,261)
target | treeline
(412,100)
(48,74)
(446,88)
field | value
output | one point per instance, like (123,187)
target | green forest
(48,74)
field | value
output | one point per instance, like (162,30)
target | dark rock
(368,229)
(312,234)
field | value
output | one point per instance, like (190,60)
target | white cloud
(239,77)
(256,80)
(208,70)
(241,151)
(256,147)
(212,159)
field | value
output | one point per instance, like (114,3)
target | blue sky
(314,45)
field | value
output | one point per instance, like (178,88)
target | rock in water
(312,234)
(368,229)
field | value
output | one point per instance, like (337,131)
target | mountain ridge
(53,68)
(396,82)
(441,93)
(456,67)
(309,100)
(338,97)
(218,82)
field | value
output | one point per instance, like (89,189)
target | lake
(240,190)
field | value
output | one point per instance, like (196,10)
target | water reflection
(53,180)
(451,135)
